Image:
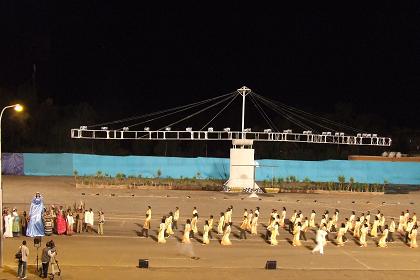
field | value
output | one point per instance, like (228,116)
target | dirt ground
(115,255)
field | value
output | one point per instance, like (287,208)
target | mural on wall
(12,164)
(218,168)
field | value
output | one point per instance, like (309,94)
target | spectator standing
(101,221)
(23,260)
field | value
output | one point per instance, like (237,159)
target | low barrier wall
(217,168)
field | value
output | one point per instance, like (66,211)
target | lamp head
(18,108)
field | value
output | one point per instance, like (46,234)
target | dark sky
(127,59)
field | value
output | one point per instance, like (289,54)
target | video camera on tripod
(37,245)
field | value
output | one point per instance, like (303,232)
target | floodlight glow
(18,108)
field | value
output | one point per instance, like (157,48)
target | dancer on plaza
(352,220)
(391,231)
(274,233)
(149,211)
(408,229)
(194,228)
(384,236)
(323,221)
(221,223)
(381,222)
(304,228)
(101,222)
(168,225)
(36,225)
(206,230)
(296,234)
(249,220)
(243,227)
(225,239)
(176,218)
(363,235)
(401,223)
(257,210)
(283,217)
(146,226)
(340,234)
(161,234)
(374,230)
(320,239)
(292,221)
(210,222)
(254,224)
(356,230)
(187,229)
(367,219)
(413,237)
(312,219)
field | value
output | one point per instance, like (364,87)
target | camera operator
(47,253)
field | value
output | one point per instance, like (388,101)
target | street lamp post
(17,108)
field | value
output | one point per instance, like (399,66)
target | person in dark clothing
(47,252)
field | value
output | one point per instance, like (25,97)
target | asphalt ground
(115,255)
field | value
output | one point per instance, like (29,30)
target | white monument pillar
(242,167)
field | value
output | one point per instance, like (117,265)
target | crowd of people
(329,227)
(43,221)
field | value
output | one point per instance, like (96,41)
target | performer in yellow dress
(176,218)
(296,234)
(282,217)
(254,224)
(356,230)
(368,218)
(194,222)
(211,222)
(384,237)
(413,237)
(149,211)
(250,216)
(340,234)
(206,239)
(391,230)
(146,227)
(352,220)
(245,213)
(322,222)
(187,229)
(225,240)
(312,219)
(401,223)
(243,227)
(374,231)
(274,233)
(161,235)
(221,223)
(168,224)
(330,225)
(363,234)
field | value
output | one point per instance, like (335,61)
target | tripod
(37,244)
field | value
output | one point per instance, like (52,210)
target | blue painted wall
(175,167)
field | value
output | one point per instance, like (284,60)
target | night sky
(127,59)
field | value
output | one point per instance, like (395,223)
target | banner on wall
(12,164)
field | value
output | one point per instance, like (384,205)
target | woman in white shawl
(8,225)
